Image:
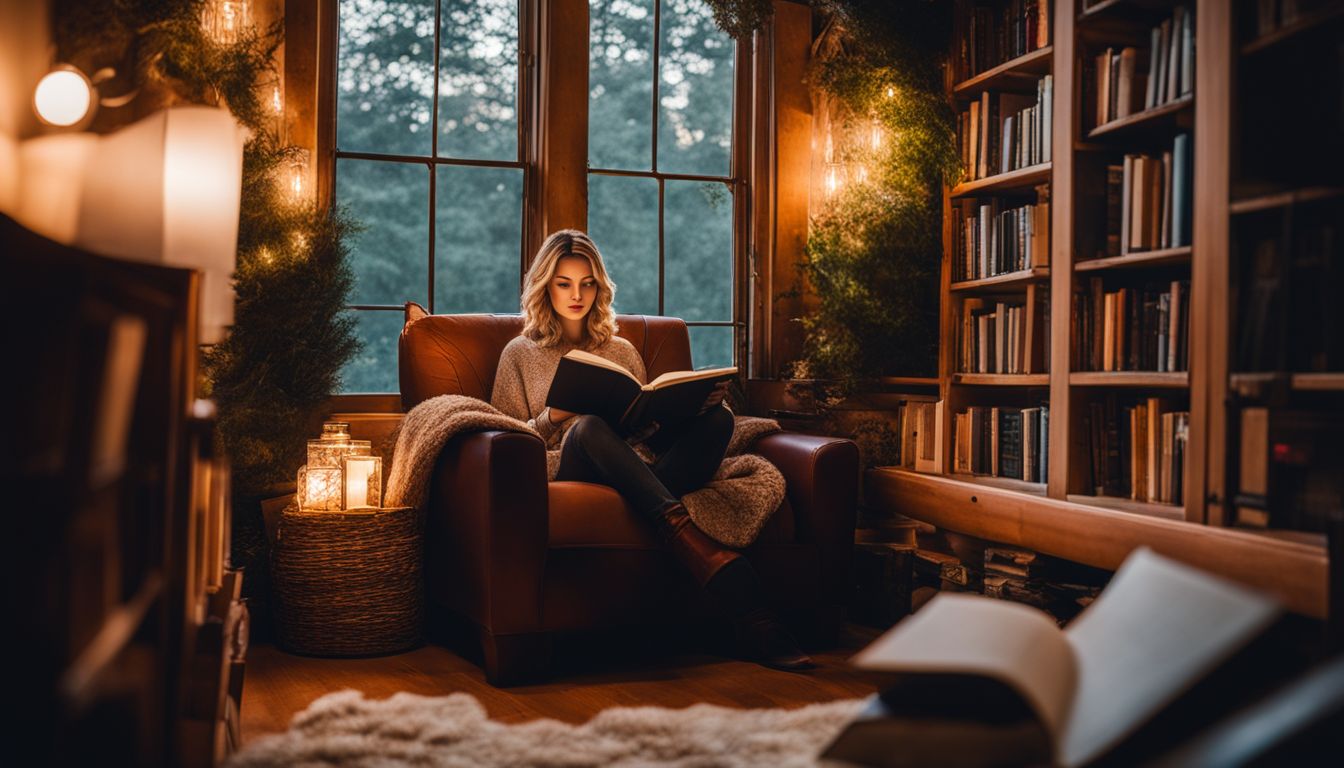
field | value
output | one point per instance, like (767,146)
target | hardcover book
(586,383)
(978,681)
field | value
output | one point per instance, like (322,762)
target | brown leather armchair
(520,558)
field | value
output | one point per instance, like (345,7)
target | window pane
(698,236)
(623,221)
(711,346)
(389,257)
(374,368)
(695,92)
(385,76)
(477,239)
(478,80)
(620,84)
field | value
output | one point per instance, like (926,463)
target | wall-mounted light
(64,97)
(226,20)
(294,177)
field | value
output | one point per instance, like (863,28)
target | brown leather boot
(702,556)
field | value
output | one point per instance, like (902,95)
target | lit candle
(362,486)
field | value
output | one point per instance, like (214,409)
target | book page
(972,634)
(1157,628)
(600,362)
(672,377)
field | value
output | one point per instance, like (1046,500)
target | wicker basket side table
(349,583)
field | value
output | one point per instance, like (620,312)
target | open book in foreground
(586,383)
(979,681)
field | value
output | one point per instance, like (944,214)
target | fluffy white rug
(344,728)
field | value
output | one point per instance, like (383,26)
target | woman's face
(573,288)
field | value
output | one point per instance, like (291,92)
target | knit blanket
(732,508)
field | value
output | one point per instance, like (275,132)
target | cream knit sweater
(524,378)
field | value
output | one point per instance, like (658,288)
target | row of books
(1133,328)
(993,240)
(1271,15)
(1001,132)
(1291,316)
(1003,442)
(1150,200)
(1006,337)
(989,36)
(1129,80)
(1289,468)
(1137,450)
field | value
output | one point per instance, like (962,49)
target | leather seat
(519,558)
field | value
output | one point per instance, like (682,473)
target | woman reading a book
(566,305)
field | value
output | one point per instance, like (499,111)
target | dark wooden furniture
(125,622)
(1062,517)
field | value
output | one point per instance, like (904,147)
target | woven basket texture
(349,584)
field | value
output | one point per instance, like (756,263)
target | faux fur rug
(344,728)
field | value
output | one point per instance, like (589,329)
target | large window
(429,159)
(660,186)
(430,140)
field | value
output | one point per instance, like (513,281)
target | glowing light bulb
(863,174)
(832,181)
(63,97)
(876,135)
(277,106)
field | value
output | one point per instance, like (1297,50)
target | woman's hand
(716,396)
(558,416)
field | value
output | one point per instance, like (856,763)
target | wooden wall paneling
(761,184)
(1064,467)
(1210,316)
(744,144)
(792,179)
(562,167)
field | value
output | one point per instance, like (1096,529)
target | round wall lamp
(64,97)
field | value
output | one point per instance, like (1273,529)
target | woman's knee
(722,419)
(587,428)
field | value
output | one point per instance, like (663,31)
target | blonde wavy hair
(540,322)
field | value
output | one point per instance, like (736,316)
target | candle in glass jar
(361,485)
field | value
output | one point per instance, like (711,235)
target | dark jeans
(688,457)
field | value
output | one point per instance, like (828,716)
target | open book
(586,383)
(979,678)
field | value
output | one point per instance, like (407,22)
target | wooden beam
(562,167)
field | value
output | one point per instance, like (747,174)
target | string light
(226,20)
(891,92)
(832,180)
(876,135)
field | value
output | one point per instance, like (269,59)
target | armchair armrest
(486,530)
(822,477)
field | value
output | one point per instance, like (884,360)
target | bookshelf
(1073,514)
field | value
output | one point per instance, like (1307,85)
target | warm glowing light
(830,148)
(832,181)
(863,173)
(891,92)
(277,106)
(299,240)
(265,255)
(63,97)
(876,135)
(226,20)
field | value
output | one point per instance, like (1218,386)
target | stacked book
(1137,451)
(993,240)
(1132,329)
(990,36)
(1149,200)
(1003,442)
(1129,80)
(1002,132)
(1003,337)
(1058,587)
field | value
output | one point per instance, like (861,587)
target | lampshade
(164,190)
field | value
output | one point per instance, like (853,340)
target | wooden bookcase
(1062,517)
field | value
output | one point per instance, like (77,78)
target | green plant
(873,251)
(740,18)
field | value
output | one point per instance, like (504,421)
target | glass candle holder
(363,484)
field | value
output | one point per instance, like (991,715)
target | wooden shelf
(1284,199)
(1257,384)
(1161,118)
(1020,71)
(1161,258)
(99,656)
(1293,571)
(1109,8)
(1006,280)
(1002,483)
(1318,382)
(908,381)
(1002,379)
(1173,380)
(1130,506)
(1022,178)
(1305,24)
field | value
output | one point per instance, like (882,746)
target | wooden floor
(589,676)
